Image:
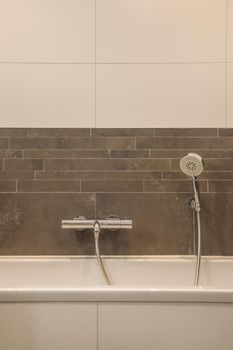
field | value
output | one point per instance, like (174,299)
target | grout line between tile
(226,68)
(110,63)
(95,204)
(95,92)
(97,325)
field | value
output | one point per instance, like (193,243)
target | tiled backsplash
(47,175)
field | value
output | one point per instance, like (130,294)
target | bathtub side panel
(42,326)
(163,326)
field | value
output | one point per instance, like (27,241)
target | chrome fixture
(192,165)
(112,223)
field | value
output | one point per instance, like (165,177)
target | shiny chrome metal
(97,230)
(197,209)
(112,223)
(192,165)
(107,224)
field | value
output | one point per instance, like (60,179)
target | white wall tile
(230,31)
(47,30)
(161,30)
(230,95)
(165,326)
(161,95)
(47,95)
(44,326)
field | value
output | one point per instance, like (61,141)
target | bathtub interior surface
(125,272)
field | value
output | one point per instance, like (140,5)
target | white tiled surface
(177,95)
(44,326)
(165,326)
(185,88)
(161,30)
(230,95)
(46,95)
(230,31)
(47,30)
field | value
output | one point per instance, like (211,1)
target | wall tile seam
(121,150)
(108,138)
(117,62)
(121,192)
(132,157)
(158,172)
(226,66)
(132,135)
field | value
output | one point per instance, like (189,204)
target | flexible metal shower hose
(99,259)
(197,210)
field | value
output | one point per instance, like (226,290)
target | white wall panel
(230,95)
(165,326)
(161,30)
(47,95)
(161,95)
(230,31)
(47,30)
(45,326)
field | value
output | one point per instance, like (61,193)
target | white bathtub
(63,303)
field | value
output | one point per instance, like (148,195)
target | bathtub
(58,303)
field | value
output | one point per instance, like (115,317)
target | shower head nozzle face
(191,164)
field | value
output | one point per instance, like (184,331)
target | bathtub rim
(115,257)
(116,293)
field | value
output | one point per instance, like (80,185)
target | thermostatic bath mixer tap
(111,223)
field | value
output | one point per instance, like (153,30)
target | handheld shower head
(191,164)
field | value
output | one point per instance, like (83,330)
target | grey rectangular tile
(221,186)
(12,132)
(10,154)
(7,186)
(99,175)
(130,154)
(185,132)
(184,143)
(31,223)
(206,175)
(170,153)
(218,164)
(209,164)
(58,132)
(60,153)
(172,186)
(111,186)
(23,164)
(107,164)
(215,175)
(122,132)
(175,175)
(73,143)
(228,132)
(17,175)
(4,143)
(48,186)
